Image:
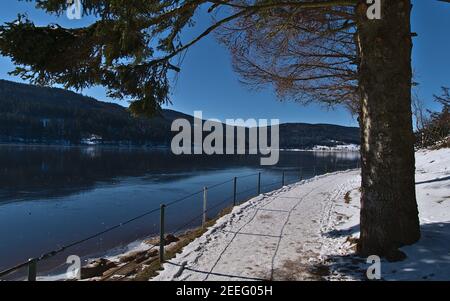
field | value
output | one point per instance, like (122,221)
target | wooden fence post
(259,183)
(162,240)
(205,199)
(234,191)
(32,269)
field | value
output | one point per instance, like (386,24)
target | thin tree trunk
(389,215)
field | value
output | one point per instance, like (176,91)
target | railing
(252,185)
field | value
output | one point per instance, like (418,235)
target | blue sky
(208,83)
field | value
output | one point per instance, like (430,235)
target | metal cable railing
(261,187)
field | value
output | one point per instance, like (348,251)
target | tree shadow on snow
(429,259)
(336,233)
(434,181)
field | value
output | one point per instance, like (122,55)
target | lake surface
(53,196)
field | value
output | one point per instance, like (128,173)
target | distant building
(92,140)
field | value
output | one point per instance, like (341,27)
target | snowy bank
(338,148)
(305,232)
(323,148)
(429,259)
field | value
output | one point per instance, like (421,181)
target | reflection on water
(50,196)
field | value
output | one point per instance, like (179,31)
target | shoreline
(51,269)
(177,247)
(133,260)
(162,147)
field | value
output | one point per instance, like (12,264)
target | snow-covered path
(274,236)
(307,231)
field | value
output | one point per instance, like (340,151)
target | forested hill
(36,114)
(32,114)
(304,135)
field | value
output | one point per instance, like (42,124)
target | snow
(323,148)
(429,259)
(338,148)
(113,255)
(304,231)
(265,237)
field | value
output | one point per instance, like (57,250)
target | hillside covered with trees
(47,115)
(32,114)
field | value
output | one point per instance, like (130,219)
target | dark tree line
(29,113)
(44,115)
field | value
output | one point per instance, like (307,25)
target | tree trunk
(389,215)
